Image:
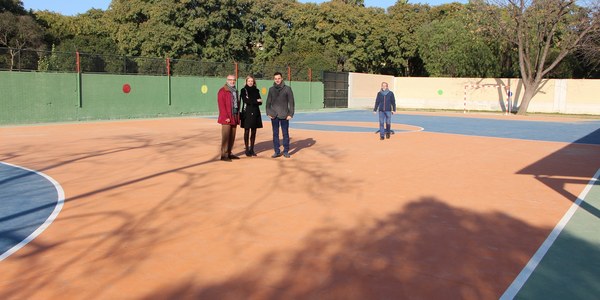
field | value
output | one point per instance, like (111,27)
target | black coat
(252,117)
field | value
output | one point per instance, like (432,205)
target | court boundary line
(59,205)
(514,288)
(510,138)
(316,123)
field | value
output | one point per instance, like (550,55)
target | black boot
(252,140)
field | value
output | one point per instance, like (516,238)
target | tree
(401,40)
(452,45)
(154,28)
(343,28)
(589,52)
(18,33)
(270,26)
(89,33)
(351,2)
(545,32)
(13,6)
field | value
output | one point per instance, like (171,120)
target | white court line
(518,283)
(59,204)
(332,123)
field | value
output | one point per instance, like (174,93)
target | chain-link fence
(264,71)
(55,61)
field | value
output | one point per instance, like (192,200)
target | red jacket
(226,109)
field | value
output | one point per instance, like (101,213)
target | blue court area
(28,201)
(584,132)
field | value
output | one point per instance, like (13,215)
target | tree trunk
(530,91)
(12,59)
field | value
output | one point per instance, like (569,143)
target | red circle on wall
(126,88)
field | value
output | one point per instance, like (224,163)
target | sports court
(452,206)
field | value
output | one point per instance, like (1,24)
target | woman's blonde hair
(253,79)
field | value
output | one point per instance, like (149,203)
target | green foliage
(401,41)
(57,61)
(12,6)
(453,47)
(18,32)
(188,65)
(265,36)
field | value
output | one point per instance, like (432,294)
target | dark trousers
(249,138)
(227,139)
(285,125)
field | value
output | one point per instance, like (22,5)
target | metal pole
(78,68)
(465,101)
(236,71)
(169,79)
(309,85)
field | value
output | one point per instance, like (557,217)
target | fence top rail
(27,59)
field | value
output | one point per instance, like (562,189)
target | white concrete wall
(568,96)
(363,88)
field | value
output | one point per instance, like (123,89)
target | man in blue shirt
(385,104)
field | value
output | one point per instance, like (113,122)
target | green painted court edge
(567,265)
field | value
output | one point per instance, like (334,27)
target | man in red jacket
(229,117)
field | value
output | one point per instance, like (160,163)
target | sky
(71,7)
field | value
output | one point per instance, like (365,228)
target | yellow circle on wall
(264,90)
(204,89)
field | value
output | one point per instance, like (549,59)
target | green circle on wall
(440,92)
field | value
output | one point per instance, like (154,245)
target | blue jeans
(285,125)
(385,116)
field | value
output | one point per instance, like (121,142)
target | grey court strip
(29,202)
(567,265)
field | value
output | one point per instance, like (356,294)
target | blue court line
(340,128)
(30,202)
(584,132)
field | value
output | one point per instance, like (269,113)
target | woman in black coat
(252,118)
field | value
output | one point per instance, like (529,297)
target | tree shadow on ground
(569,270)
(115,232)
(122,239)
(426,250)
(575,163)
(125,229)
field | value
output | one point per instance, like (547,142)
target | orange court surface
(150,212)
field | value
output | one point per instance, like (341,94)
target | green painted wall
(27,98)
(37,97)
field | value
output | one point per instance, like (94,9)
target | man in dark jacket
(385,104)
(280,109)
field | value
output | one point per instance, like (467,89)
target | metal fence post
(78,68)
(169,79)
